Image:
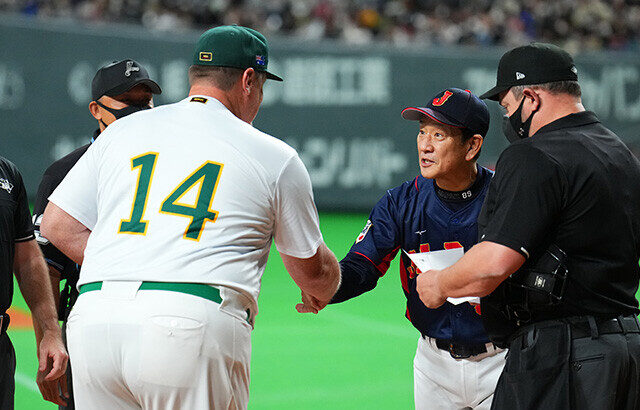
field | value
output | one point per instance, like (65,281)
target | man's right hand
(318,277)
(55,391)
(310,304)
(53,358)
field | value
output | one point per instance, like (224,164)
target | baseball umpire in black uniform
(560,246)
(19,254)
(118,89)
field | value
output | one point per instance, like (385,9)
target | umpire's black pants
(7,372)
(549,368)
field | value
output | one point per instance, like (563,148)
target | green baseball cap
(233,46)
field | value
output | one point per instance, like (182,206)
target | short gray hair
(571,88)
(222,77)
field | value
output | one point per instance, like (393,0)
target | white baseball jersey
(187,192)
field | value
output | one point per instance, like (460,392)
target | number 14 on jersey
(206,178)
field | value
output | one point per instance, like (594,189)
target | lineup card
(439,260)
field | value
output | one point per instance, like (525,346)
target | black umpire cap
(120,76)
(535,63)
(455,107)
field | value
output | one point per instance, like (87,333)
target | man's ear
(475,144)
(534,98)
(249,79)
(94,109)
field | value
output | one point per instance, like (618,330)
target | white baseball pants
(442,382)
(153,349)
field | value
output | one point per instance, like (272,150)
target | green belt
(196,289)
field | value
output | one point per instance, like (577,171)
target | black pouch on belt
(543,278)
(539,285)
(537,370)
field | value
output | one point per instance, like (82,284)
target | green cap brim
(273,77)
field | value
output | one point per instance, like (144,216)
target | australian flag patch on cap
(261,60)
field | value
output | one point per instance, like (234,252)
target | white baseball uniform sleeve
(81,199)
(187,192)
(296,215)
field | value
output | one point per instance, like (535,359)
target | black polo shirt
(15,225)
(67,268)
(50,181)
(574,184)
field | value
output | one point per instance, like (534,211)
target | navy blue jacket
(414,218)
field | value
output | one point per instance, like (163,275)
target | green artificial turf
(355,355)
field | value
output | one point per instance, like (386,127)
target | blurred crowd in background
(577,25)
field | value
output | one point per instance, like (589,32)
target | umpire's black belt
(590,327)
(458,350)
(196,289)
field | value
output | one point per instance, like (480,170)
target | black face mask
(123,112)
(513,126)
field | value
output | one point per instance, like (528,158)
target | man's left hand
(428,288)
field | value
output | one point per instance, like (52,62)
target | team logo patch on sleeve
(364,231)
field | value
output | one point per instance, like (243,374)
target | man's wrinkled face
(440,149)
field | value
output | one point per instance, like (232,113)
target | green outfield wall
(339,105)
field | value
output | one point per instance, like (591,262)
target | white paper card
(470,299)
(439,260)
